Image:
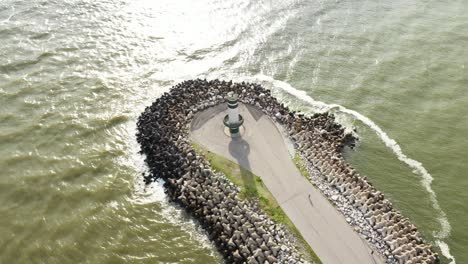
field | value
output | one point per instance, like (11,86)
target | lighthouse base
(241,132)
(233,130)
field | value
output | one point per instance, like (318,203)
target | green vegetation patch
(252,188)
(301,165)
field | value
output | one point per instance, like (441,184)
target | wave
(9,17)
(416,166)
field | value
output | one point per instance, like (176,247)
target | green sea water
(75,75)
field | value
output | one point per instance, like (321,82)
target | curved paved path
(264,151)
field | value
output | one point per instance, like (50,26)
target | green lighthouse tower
(233,120)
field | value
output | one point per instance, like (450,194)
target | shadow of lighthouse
(240,149)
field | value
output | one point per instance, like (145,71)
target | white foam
(416,166)
(444,248)
(151,193)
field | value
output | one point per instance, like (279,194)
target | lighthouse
(233,120)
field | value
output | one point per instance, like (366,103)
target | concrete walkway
(264,151)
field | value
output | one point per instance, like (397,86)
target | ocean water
(75,75)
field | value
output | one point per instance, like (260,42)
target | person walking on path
(310,201)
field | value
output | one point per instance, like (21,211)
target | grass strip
(301,165)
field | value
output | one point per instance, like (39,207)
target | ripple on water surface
(74,76)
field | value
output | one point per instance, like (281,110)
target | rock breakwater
(242,233)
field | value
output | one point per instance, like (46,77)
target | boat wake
(416,166)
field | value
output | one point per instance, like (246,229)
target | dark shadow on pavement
(240,149)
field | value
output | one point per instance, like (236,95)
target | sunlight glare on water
(76,74)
